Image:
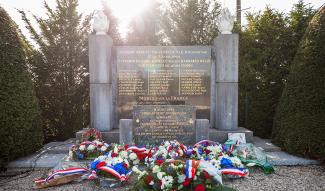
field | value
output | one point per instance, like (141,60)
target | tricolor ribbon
(241,172)
(136,149)
(113,172)
(204,141)
(65,172)
(190,168)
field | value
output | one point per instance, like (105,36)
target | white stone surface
(101,23)
(225,21)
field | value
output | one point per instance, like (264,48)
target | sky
(126,13)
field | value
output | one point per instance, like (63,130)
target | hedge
(20,130)
(299,125)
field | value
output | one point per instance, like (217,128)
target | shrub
(299,125)
(20,130)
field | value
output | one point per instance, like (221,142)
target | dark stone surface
(156,123)
(126,131)
(202,129)
(165,75)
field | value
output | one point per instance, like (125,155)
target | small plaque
(237,137)
(156,123)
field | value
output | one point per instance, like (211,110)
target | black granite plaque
(156,123)
(163,75)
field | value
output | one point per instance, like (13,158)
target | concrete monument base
(113,136)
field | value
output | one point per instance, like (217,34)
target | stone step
(43,161)
(280,158)
(265,144)
(59,147)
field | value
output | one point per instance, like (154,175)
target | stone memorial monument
(146,94)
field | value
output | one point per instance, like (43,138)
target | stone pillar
(100,74)
(226,54)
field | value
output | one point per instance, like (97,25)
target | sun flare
(126,10)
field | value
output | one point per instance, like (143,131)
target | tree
(299,125)
(145,29)
(20,125)
(267,48)
(190,22)
(60,68)
(113,24)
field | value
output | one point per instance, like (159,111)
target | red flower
(206,175)
(148,179)
(187,182)
(141,156)
(199,187)
(125,165)
(159,162)
(100,164)
(114,155)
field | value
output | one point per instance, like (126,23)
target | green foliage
(267,47)
(190,22)
(60,68)
(20,127)
(299,125)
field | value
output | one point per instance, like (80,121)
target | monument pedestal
(203,132)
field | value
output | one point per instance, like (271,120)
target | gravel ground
(297,178)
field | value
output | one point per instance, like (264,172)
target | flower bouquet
(179,175)
(88,150)
(91,134)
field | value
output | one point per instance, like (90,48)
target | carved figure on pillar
(225,21)
(101,23)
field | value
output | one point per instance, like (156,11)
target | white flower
(117,160)
(160,175)
(91,147)
(167,143)
(115,149)
(215,163)
(103,148)
(236,161)
(70,155)
(155,169)
(82,147)
(215,149)
(97,142)
(180,187)
(123,154)
(101,158)
(137,161)
(181,178)
(133,156)
(167,182)
(211,155)
(136,170)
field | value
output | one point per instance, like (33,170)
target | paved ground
(286,178)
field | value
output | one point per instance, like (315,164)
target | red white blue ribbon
(136,149)
(190,168)
(65,172)
(241,172)
(113,172)
(204,141)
